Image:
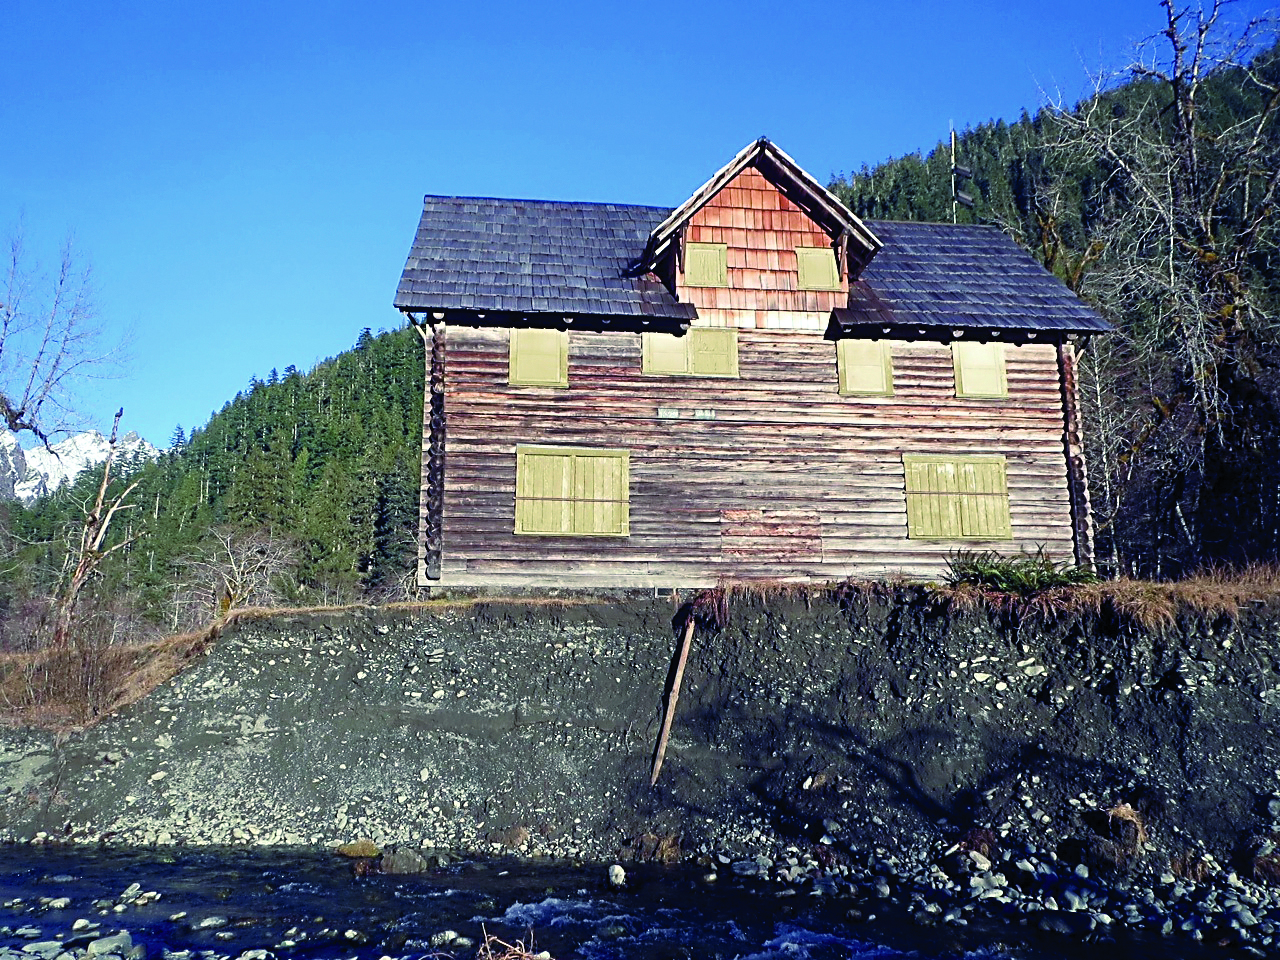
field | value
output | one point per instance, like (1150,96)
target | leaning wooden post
(673,695)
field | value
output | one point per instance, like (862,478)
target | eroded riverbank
(871,734)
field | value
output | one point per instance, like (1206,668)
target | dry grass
(1126,814)
(76,686)
(1152,606)
(495,949)
(1190,865)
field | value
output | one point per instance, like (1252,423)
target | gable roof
(505,261)
(822,206)
(943,275)
(525,257)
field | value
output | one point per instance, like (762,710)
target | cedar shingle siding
(780,462)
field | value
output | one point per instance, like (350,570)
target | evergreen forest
(1155,200)
(301,490)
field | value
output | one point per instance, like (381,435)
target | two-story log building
(755,384)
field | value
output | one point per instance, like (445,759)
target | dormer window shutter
(817,266)
(706,265)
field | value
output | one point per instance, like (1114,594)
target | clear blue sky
(245,177)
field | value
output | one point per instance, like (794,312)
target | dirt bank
(870,721)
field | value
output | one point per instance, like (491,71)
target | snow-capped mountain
(28,474)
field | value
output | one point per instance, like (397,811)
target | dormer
(761,244)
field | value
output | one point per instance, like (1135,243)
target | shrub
(1023,574)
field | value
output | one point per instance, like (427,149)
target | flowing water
(223,903)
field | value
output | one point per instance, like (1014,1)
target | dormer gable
(852,243)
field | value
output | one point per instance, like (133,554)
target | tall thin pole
(953,173)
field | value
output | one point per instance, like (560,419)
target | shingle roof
(572,259)
(948,275)
(534,257)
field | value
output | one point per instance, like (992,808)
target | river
(223,903)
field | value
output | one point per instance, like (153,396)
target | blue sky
(245,177)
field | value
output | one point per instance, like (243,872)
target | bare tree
(88,551)
(237,568)
(1182,215)
(49,341)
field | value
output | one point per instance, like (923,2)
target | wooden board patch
(770,535)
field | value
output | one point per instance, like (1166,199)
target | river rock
(404,861)
(617,876)
(358,849)
(120,944)
(43,948)
(512,837)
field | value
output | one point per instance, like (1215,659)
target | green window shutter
(979,369)
(665,353)
(572,491)
(957,498)
(701,352)
(539,358)
(713,352)
(706,265)
(817,268)
(601,494)
(984,498)
(865,367)
(543,491)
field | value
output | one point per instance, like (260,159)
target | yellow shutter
(701,352)
(984,496)
(817,266)
(713,352)
(957,498)
(865,367)
(665,353)
(600,494)
(572,491)
(543,492)
(979,369)
(539,358)
(706,265)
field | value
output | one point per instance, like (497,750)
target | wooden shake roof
(474,254)
(499,262)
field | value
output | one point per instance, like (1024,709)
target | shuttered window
(572,492)
(817,268)
(957,498)
(706,265)
(539,358)
(701,352)
(865,368)
(979,369)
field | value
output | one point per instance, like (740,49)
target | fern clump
(1022,574)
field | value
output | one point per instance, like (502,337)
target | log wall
(789,480)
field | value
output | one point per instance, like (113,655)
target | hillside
(303,488)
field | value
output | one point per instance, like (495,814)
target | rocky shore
(1078,778)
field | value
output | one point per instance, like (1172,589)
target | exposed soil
(865,720)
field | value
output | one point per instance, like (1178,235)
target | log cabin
(754,385)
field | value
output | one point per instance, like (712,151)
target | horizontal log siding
(790,480)
(761,229)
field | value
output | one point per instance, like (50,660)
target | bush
(1023,574)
